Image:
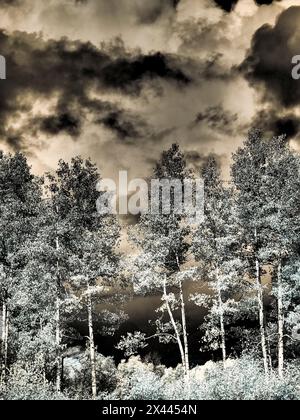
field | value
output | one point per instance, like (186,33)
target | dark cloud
(226,5)
(229,5)
(126,125)
(196,160)
(265,2)
(274,124)
(268,64)
(216,118)
(128,74)
(65,122)
(67,71)
(10,2)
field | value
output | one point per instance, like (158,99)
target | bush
(244,379)
(25,383)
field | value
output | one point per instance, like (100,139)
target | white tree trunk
(183,322)
(58,346)
(280,323)
(92,344)
(4,341)
(184,330)
(261,314)
(222,324)
(57,330)
(180,346)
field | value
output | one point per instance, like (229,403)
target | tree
(92,245)
(266,174)
(162,238)
(59,234)
(281,192)
(20,195)
(95,272)
(216,249)
(248,172)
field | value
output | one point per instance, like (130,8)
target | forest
(61,266)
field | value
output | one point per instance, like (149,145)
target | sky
(119,81)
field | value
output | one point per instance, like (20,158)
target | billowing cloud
(268,64)
(68,71)
(122,80)
(275,123)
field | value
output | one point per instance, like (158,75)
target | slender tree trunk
(43,361)
(4,341)
(280,323)
(222,324)
(185,340)
(261,315)
(184,326)
(174,325)
(58,347)
(184,330)
(92,344)
(44,375)
(261,312)
(269,356)
(58,329)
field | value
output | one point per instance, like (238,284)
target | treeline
(59,258)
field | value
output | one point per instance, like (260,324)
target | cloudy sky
(120,80)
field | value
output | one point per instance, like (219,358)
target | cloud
(266,2)
(268,63)
(127,125)
(67,72)
(226,5)
(64,122)
(196,160)
(76,89)
(229,5)
(149,12)
(10,2)
(216,118)
(276,124)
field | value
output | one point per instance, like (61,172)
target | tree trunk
(57,328)
(43,360)
(222,324)
(174,325)
(269,356)
(58,347)
(4,341)
(280,323)
(261,312)
(261,315)
(92,344)
(183,321)
(184,330)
